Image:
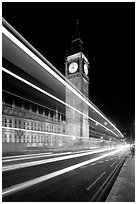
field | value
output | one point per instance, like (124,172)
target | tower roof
(76,44)
(77,31)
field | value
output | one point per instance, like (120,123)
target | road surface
(58,177)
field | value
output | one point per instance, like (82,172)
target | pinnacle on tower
(76,44)
(77,31)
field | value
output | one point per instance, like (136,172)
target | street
(57,177)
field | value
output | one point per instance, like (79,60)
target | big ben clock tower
(76,71)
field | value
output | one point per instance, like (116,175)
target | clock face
(73,67)
(86,69)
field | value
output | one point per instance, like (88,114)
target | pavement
(123,189)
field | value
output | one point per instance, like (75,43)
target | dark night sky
(107,31)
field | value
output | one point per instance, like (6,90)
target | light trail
(47,68)
(35,156)
(26,184)
(96,181)
(113,163)
(53,97)
(46,161)
(37,131)
(25,155)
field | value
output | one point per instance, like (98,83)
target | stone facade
(31,129)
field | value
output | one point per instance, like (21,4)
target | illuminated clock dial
(86,69)
(73,67)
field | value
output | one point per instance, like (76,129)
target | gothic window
(24,124)
(13,137)
(25,138)
(33,138)
(7,137)
(40,125)
(43,129)
(47,128)
(38,128)
(10,122)
(30,138)
(37,138)
(3,136)
(22,138)
(19,124)
(5,122)
(16,123)
(42,138)
(63,130)
(34,126)
(48,139)
(16,138)
(28,125)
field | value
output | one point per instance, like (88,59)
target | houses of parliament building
(34,121)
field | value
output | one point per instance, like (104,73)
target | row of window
(32,125)
(21,112)
(20,137)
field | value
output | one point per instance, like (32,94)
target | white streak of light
(45,161)
(51,154)
(37,131)
(113,163)
(35,157)
(29,156)
(95,181)
(25,155)
(35,181)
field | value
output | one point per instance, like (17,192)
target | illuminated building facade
(76,69)
(25,127)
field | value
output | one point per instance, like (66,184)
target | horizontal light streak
(39,61)
(40,132)
(25,155)
(21,186)
(53,97)
(30,156)
(34,163)
(35,156)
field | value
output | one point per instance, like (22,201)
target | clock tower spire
(76,71)
(76,44)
